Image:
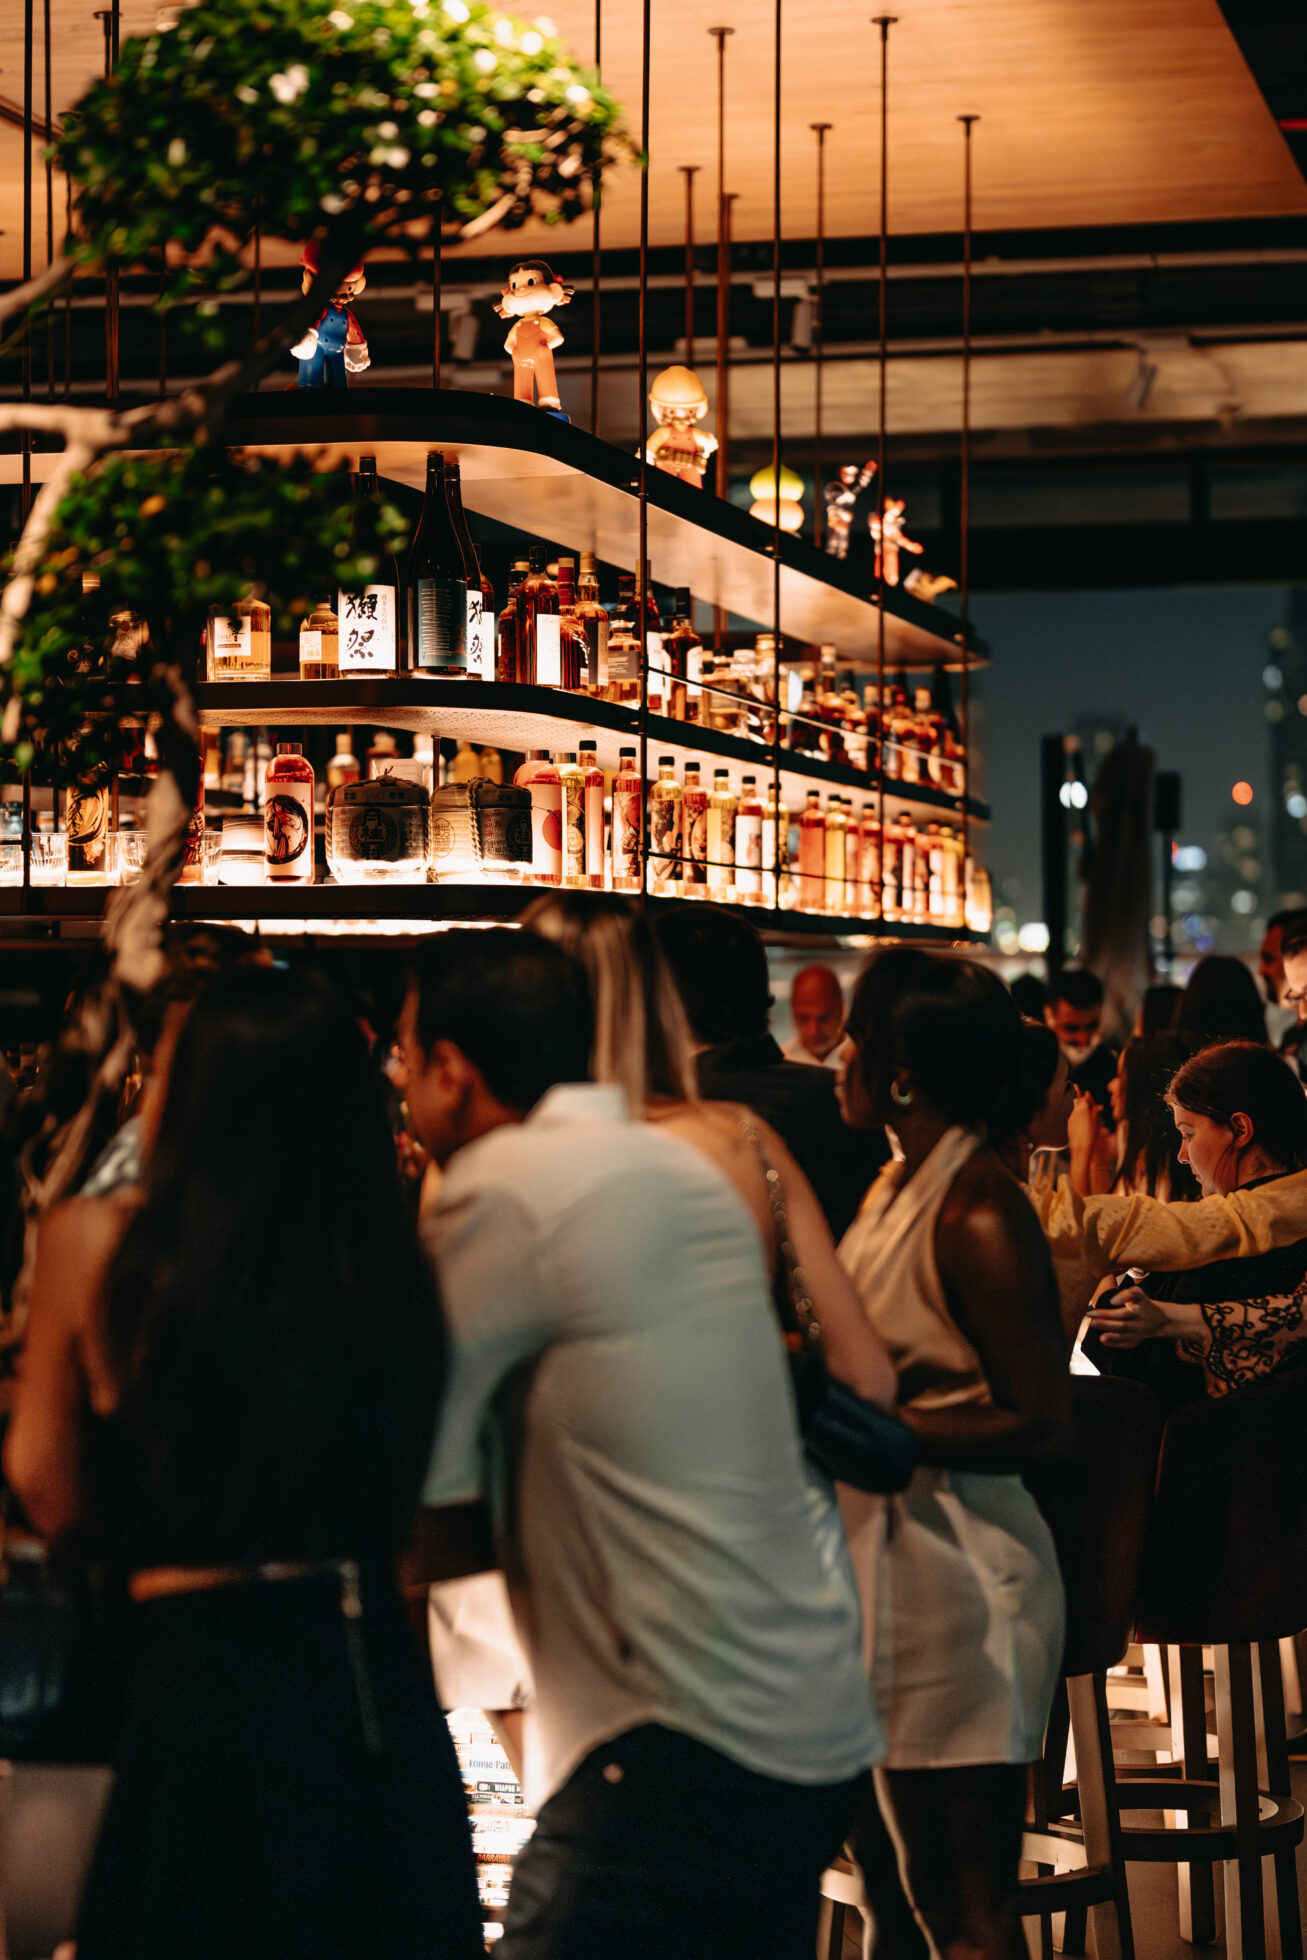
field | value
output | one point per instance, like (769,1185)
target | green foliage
(294,115)
(168,537)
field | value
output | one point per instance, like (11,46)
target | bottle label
(748,852)
(594,833)
(232,639)
(664,838)
(368,630)
(87,818)
(721,845)
(310,644)
(624,658)
(288,830)
(480,644)
(549,650)
(596,646)
(694,828)
(628,801)
(547,832)
(374,833)
(440,623)
(574,828)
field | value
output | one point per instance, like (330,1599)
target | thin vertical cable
(68,290)
(689,171)
(723,265)
(644,582)
(114,23)
(163,324)
(258,282)
(776,450)
(819,332)
(27,243)
(109,19)
(964,513)
(884,22)
(596,249)
(49,208)
(436,281)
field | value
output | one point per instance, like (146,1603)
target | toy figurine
(896,540)
(530,296)
(333,350)
(678,402)
(839,496)
(762,488)
(928,585)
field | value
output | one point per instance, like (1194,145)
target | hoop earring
(902,1099)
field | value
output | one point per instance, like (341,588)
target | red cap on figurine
(311,260)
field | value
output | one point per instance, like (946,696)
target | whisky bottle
(540,775)
(852,857)
(86,821)
(594,621)
(934,855)
(539,600)
(369,615)
(684,651)
(812,855)
(625,652)
(437,589)
(508,655)
(694,834)
(595,855)
(665,827)
(571,629)
(628,824)
(239,641)
(480,592)
(344,765)
(320,644)
(869,872)
(926,734)
(836,831)
(721,837)
(572,779)
(748,844)
(775,837)
(288,815)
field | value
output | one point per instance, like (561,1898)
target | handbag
(849,1439)
(59,1690)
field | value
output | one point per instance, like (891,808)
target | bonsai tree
(379,122)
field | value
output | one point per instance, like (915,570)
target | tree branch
(19,298)
(17,596)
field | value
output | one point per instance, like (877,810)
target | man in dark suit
(720,968)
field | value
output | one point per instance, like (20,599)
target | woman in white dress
(962,1598)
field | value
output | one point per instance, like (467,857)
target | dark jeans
(659,1848)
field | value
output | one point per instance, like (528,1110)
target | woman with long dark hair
(1221,1002)
(960,1582)
(232,1376)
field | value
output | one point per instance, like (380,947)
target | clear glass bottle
(665,828)
(572,778)
(288,815)
(748,844)
(852,858)
(812,855)
(344,765)
(628,823)
(594,622)
(869,871)
(836,832)
(320,644)
(694,834)
(595,853)
(239,641)
(539,774)
(436,586)
(775,832)
(369,615)
(722,807)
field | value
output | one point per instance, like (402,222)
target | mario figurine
(676,445)
(333,350)
(529,297)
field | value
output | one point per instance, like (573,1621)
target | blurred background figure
(1286,937)
(1157,1009)
(1074,1011)
(1222,1002)
(817,1004)
(1030,995)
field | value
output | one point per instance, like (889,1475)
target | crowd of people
(552,1409)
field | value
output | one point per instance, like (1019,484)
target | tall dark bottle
(437,587)
(480,592)
(369,615)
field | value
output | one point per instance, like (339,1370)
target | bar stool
(1226,1567)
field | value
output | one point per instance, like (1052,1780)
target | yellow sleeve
(1059,1208)
(1142,1231)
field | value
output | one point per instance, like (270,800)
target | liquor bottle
(466,764)
(86,821)
(952,757)
(509,652)
(707,701)
(920,877)
(694,834)
(891,872)
(594,620)
(424,760)
(595,855)
(856,745)
(628,823)
(748,844)
(480,592)
(869,872)
(775,832)
(722,807)
(763,686)
(369,616)
(239,641)
(571,628)
(344,765)
(381,754)
(625,651)
(320,644)
(952,872)
(744,680)
(934,855)
(684,651)
(979,898)
(665,827)
(233,769)
(540,775)
(192,869)
(572,779)
(836,831)
(288,815)
(539,602)
(436,587)
(852,858)
(926,734)
(812,854)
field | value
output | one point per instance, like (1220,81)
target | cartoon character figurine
(895,540)
(529,297)
(839,496)
(928,585)
(678,402)
(333,350)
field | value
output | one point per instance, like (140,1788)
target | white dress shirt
(794,1051)
(677,1563)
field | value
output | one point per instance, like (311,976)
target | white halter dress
(962,1600)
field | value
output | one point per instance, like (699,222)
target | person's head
(938,1036)
(1270,960)
(1150,1144)
(1293,955)
(719,965)
(817,1004)
(1157,1009)
(491,1021)
(1030,995)
(1221,1002)
(270,1318)
(1241,1114)
(1074,1011)
(642,1038)
(1048,1086)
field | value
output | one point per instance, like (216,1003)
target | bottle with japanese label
(571,629)
(539,774)
(437,588)
(748,843)
(288,815)
(369,617)
(572,777)
(320,644)
(684,650)
(812,855)
(595,854)
(239,641)
(509,655)
(344,765)
(869,874)
(694,835)
(625,651)
(628,823)
(665,827)
(721,836)
(594,621)
(480,592)
(86,820)
(836,831)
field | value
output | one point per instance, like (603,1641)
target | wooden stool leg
(1245,1922)
(1196,1885)
(1100,1816)
(1280,1893)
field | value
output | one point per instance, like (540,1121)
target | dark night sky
(1185,666)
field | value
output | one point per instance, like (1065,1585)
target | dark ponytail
(1242,1077)
(953,1026)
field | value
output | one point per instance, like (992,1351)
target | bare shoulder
(75,1243)
(986,1212)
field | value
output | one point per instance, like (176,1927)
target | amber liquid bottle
(665,827)
(812,855)
(594,619)
(721,837)
(508,654)
(539,602)
(694,835)
(628,824)
(748,844)
(571,628)
(288,815)
(595,855)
